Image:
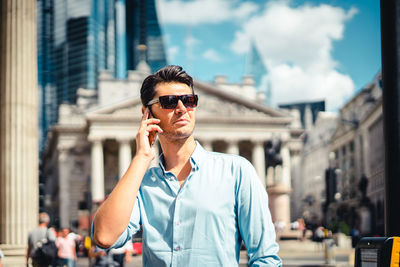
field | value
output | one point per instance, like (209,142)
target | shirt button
(177,248)
(177,223)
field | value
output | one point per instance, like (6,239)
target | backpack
(46,251)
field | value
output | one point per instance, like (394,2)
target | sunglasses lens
(168,101)
(189,101)
(171,101)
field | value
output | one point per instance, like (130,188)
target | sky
(312,50)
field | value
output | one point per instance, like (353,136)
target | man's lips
(181,121)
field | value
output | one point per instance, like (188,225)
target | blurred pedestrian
(123,254)
(37,237)
(302,227)
(1,258)
(66,249)
(102,257)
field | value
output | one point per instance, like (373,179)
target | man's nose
(180,107)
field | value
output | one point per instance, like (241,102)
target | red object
(137,248)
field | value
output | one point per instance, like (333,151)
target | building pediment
(129,108)
(214,105)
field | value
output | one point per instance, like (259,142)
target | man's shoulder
(227,158)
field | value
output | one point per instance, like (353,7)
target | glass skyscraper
(77,39)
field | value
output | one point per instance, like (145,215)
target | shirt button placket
(176,230)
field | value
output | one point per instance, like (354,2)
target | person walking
(122,254)
(66,249)
(197,206)
(36,238)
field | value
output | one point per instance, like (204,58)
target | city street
(293,253)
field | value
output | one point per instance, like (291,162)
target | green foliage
(339,227)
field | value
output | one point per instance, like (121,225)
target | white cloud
(190,41)
(296,44)
(202,11)
(293,83)
(212,55)
(172,52)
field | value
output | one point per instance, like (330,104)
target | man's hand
(146,135)
(113,216)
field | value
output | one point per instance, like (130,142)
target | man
(197,206)
(36,236)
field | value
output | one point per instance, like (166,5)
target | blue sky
(312,50)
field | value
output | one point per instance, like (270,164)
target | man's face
(176,123)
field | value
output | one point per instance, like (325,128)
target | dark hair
(170,73)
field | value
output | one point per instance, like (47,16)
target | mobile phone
(151,115)
(152,136)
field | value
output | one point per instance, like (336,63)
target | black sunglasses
(171,101)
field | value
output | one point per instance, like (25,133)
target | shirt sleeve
(254,219)
(133,227)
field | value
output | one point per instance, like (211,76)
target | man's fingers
(146,114)
(154,128)
(152,120)
(149,121)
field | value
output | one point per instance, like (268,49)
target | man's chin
(177,135)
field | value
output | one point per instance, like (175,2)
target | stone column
(124,156)
(286,165)
(233,147)
(259,160)
(18,128)
(97,173)
(64,186)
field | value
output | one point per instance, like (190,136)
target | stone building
(309,191)
(358,146)
(93,142)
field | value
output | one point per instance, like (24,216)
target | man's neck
(177,153)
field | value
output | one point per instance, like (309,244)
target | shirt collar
(196,158)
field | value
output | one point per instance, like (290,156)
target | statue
(272,153)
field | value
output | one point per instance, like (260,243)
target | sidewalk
(137,261)
(296,253)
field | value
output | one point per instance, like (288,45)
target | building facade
(307,112)
(93,142)
(79,39)
(358,146)
(309,191)
(341,185)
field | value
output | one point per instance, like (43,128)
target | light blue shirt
(203,223)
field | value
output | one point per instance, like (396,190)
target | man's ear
(143,109)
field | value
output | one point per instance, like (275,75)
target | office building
(79,39)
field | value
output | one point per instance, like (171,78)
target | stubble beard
(177,136)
